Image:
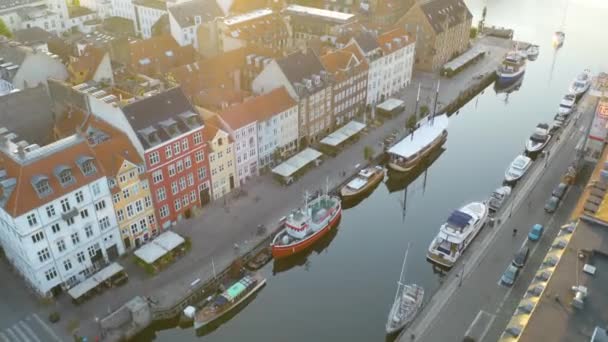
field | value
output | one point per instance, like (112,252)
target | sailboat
(559,36)
(407,303)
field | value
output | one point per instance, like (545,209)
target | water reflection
(353,201)
(398,181)
(301,259)
(213,326)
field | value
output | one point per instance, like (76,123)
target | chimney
(21,151)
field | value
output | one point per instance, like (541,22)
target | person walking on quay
(514,231)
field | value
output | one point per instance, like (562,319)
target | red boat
(303,227)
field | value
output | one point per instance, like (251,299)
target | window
(43,188)
(192,196)
(178,204)
(188,162)
(171,169)
(84,213)
(95,188)
(134,229)
(122,178)
(37,237)
(198,138)
(65,205)
(31,219)
(164,211)
(154,158)
(176,148)
(50,274)
(131,174)
(88,168)
(161,195)
(151,220)
(182,183)
(190,179)
(65,177)
(61,245)
(80,257)
(50,211)
(143,224)
(93,250)
(125,193)
(185,145)
(199,156)
(130,211)
(116,197)
(104,223)
(120,214)
(88,230)
(168,151)
(147,202)
(70,221)
(138,206)
(44,255)
(75,238)
(180,166)
(157,176)
(55,228)
(67,264)
(174,188)
(202,173)
(100,205)
(134,189)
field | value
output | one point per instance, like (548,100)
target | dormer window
(64,174)
(150,135)
(42,186)
(87,165)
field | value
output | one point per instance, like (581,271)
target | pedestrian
(558,138)
(514,231)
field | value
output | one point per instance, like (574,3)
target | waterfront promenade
(221,226)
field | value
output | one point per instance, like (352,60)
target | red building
(175,152)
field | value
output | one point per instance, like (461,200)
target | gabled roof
(159,54)
(340,61)
(301,65)
(394,40)
(185,12)
(367,41)
(438,11)
(219,97)
(87,64)
(32,35)
(259,108)
(153,113)
(28,113)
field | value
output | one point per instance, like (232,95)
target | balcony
(70,214)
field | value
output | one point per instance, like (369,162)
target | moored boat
(407,303)
(558,39)
(567,104)
(304,226)
(223,303)
(532,52)
(539,139)
(512,68)
(363,182)
(518,168)
(581,83)
(260,259)
(409,151)
(457,233)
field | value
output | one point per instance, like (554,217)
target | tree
(473,33)
(368,153)
(424,111)
(411,124)
(4,31)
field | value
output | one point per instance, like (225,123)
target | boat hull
(535,148)
(347,194)
(396,167)
(279,252)
(394,328)
(504,79)
(198,324)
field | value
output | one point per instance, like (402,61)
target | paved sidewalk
(219,227)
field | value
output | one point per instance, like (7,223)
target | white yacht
(539,139)
(532,52)
(567,104)
(457,233)
(518,168)
(581,83)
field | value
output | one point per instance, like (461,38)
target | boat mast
(400,282)
(435,105)
(416,109)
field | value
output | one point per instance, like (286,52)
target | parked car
(560,190)
(536,232)
(509,275)
(521,257)
(551,205)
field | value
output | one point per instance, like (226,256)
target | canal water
(343,290)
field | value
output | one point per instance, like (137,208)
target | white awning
(97,278)
(465,58)
(428,131)
(157,248)
(295,163)
(107,272)
(390,105)
(343,133)
(169,240)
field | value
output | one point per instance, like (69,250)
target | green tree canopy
(4,31)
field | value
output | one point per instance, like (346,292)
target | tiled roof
(301,65)
(28,113)
(349,58)
(159,54)
(258,108)
(32,35)
(87,64)
(161,117)
(217,98)
(394,40)
(184,13)
(367,41)
(437,11)
(63,153)
(268,27)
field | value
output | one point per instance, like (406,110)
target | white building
(147,14)
(23,14)
(397,62)
(58,223)
(187,19)
(373,53)
(124,9)
(102,7)
(240,122)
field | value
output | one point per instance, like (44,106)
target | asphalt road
(479,297)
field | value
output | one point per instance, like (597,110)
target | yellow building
(222,162)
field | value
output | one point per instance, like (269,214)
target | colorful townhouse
(222,161)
